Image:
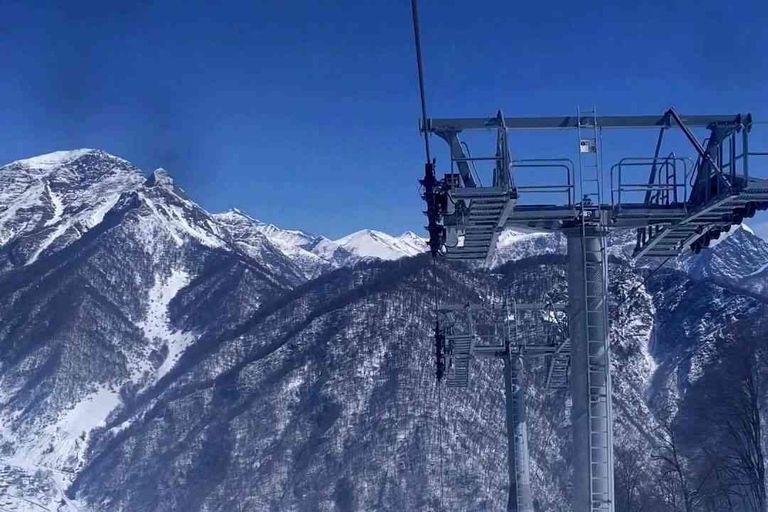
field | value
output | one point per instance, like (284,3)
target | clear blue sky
(305,113)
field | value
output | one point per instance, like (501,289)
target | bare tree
(742,422)
(630,479)
(728,409)
(680,490)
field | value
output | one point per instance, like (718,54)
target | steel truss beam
(437,125)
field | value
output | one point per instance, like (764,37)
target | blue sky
(305,113)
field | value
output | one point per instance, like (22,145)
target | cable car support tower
(683,205)
(678,204)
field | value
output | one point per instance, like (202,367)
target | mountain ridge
(166,358)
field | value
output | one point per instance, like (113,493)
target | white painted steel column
(591,414)
(520,497)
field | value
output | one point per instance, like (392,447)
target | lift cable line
(434,199)
(420,65)
(433,213)
(439,371)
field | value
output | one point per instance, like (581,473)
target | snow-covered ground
(156,325)
(36,476)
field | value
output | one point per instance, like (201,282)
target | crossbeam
(438,125)
(520,306)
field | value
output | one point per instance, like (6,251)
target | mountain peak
(76,166)
(52,160)
(747,229)
(52,199)
(236,215)
(63,163)
(160,177)
(369,243)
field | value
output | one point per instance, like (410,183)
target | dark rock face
(154,357)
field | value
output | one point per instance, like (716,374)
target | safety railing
(733,165)
(730,174)
(562,164)
(667,180)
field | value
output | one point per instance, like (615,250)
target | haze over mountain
(157,357)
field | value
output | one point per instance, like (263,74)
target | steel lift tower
(679,204)
(514,333)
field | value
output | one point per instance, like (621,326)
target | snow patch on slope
(86,220)
(28,199)
(58,206)
(173,217)
(53,160)
(156,325)
(62,444)
(35,476)
(52,237)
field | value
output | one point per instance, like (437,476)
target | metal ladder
(594,260)
(590,167)
(557,374)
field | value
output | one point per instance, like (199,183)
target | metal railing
(732,165)
(549,163)
(733,175)
(669,186)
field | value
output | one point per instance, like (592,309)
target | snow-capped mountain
(253,236)
(155,357)
(513,245)
(739,259)
(316,254)
(85,314)
(286,238)
(369,243)
(47,202)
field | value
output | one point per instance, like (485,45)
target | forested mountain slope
(156,357)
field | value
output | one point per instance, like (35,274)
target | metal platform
(706,222)
(527,330)
(460,348)
(489,208)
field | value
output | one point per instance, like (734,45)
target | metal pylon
(670,220)
(493,331)
(592,413)
(520,496)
